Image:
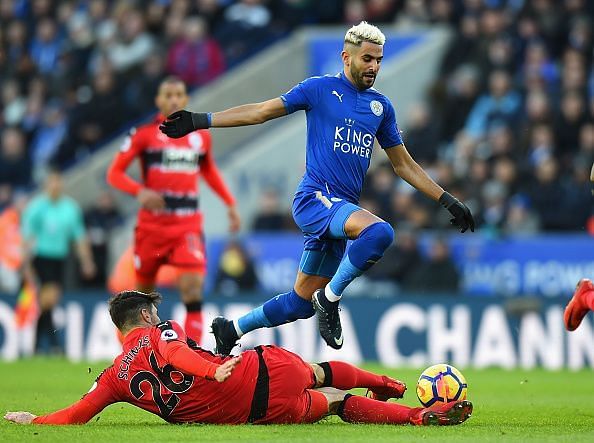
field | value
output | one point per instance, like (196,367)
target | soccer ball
(439,384)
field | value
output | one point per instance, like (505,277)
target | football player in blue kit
(345,114)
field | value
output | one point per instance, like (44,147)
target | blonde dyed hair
(364,32)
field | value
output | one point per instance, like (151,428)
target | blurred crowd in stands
(508,126)
(75,73)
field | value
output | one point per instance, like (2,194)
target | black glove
(462,216)
(181,123)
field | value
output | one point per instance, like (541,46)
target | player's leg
(290,380)
(49,296)
(322,402)
(372,236)
(318,263)
(357,409)
(148,257)
(148,252)
(50,273)
(580,304)
(341,375)
(188,254)
(283,308)
(190,289)
(280,309)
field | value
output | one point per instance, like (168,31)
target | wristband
(200,120)
(446,200)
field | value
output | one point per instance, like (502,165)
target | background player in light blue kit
(344,117)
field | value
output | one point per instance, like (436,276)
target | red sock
(193,323)
(356,409)
(346,376)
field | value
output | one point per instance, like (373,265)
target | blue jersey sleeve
(388,134)
(301,97)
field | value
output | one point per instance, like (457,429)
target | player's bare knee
(319,374)
(334,396)
(190,288)
(358,221)
(191,295)
(49,296)
(306,284)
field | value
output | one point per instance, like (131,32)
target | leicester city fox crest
(376,107)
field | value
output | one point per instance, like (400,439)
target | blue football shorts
(321,217)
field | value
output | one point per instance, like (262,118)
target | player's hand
(150,199)
(224,371)
(183,122)
(21,417)
(234,219)
(463,218)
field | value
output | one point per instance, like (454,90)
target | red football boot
(392,389)
(577,308)
(452,413)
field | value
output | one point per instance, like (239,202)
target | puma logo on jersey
(338,95)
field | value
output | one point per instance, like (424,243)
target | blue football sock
(363,253)
(283,308)
(345,274)
(255,319)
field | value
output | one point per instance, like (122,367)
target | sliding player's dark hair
(125,306)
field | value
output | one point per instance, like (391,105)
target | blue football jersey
(342,123)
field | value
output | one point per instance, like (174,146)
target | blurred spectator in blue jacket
(46,46)
(48,137)
(500,105)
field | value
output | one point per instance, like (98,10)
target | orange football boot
(577,308)
(452,413)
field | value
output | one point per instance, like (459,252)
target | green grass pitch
(508,406)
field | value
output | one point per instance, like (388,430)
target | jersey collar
(342,76)
(133,334)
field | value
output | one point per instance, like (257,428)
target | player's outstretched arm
(252,114)
(183,122)
(184,359)
(79,413)
(407,168)
(100,396)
